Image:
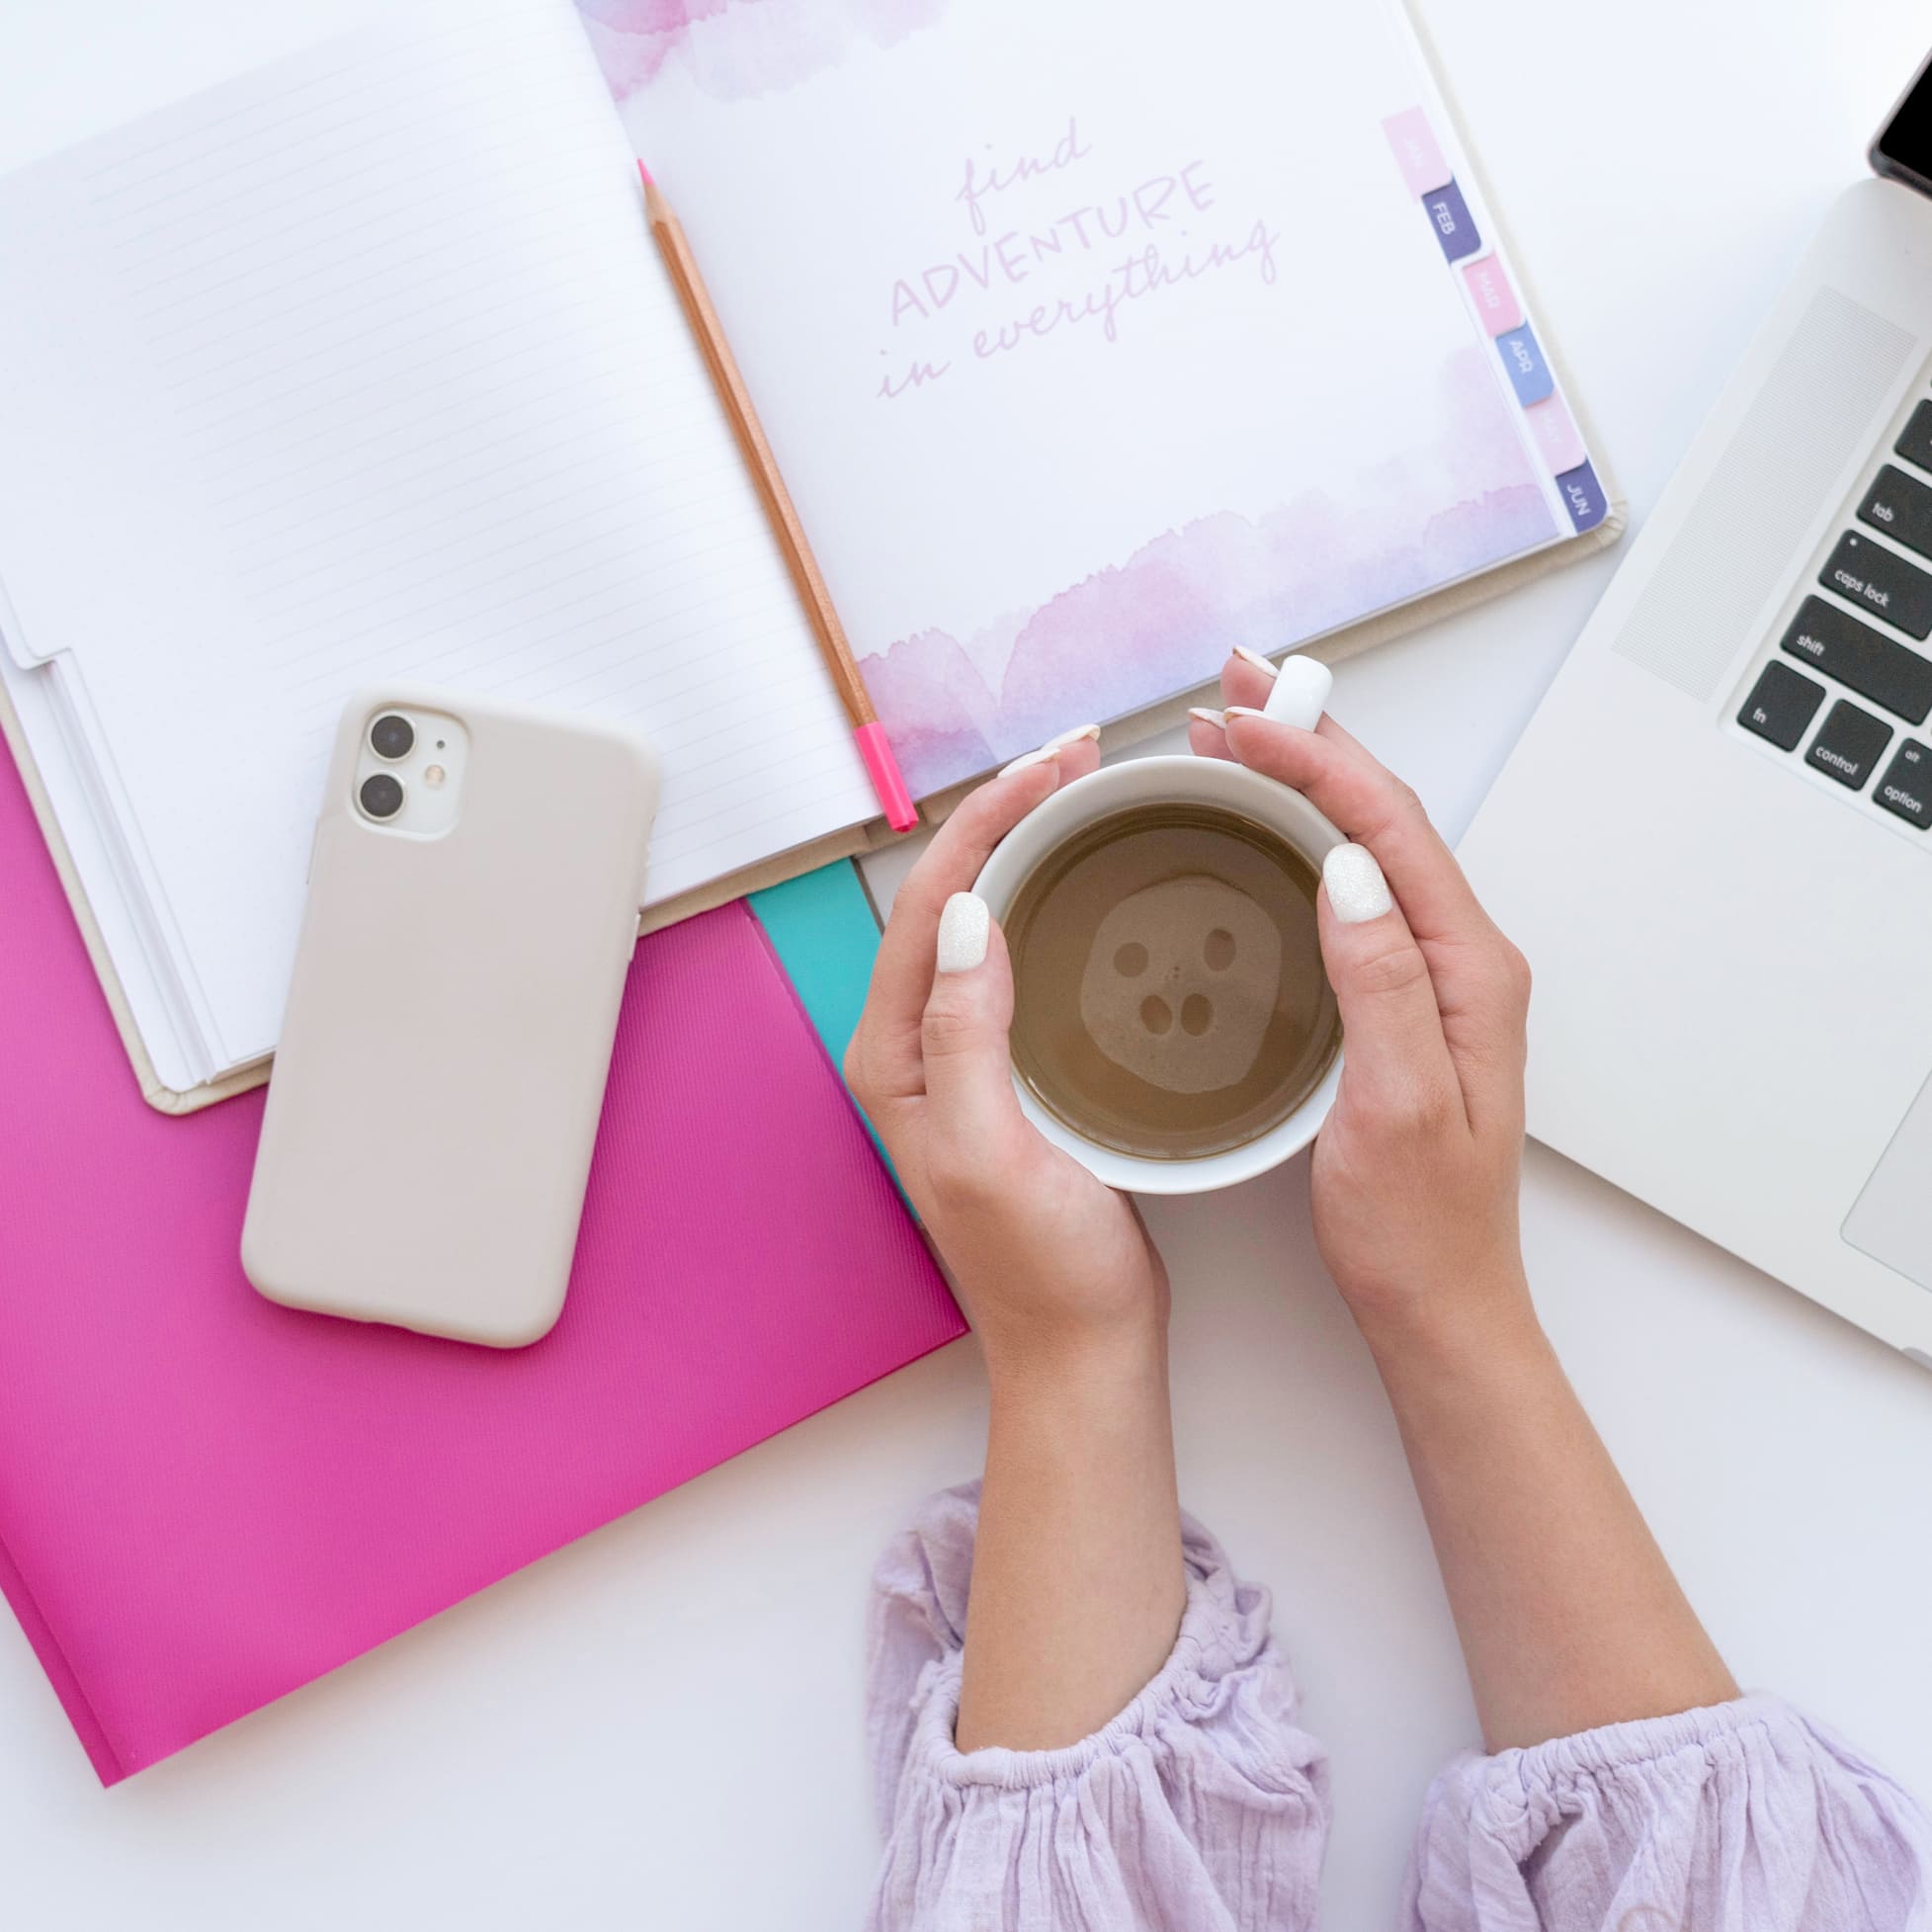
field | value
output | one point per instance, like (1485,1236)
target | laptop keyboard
(1851,682)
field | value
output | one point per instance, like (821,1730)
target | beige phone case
(449,1029)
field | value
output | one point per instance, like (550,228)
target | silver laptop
(1715,840)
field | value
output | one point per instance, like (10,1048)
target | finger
(1374,808)
(1397,1061)
(1246,678)
(1208,734)
(885,1054)
(1477,973)
(972,1112)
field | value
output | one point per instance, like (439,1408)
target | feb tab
(1454,226)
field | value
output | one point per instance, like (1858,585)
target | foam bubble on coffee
(1180,984)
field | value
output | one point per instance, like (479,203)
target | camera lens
(382,794)
(391,736)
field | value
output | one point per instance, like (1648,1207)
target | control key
(1849,744)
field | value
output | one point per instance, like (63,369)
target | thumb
(970,1103)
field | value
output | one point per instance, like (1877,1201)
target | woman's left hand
(1078,1585)
(1046,1256)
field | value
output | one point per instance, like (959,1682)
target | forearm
(1568,1616)
(1077,1582)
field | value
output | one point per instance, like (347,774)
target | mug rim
(1210,781)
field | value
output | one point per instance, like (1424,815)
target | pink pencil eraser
(875,748)
(1417,151)
(1495,300)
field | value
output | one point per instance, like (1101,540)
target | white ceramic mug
(1165,781)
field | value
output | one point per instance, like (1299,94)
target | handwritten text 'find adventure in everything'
(969,303)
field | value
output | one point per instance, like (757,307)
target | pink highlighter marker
(875,748)
(873,745)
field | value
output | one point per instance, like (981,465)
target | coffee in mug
(1169,997)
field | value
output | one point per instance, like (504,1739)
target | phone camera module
(392,737)
(382,794)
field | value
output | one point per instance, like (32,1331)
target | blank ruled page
(364,367)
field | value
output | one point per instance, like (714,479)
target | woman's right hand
(1415,1173)
(1568,1615)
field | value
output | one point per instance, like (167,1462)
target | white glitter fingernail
(1355,888)
(1038,757)
(1219,720)
(962,931)
(1255,658)
(1073,737)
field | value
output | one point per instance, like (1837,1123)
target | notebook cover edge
(59,1672)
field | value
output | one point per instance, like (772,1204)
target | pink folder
(207,1502)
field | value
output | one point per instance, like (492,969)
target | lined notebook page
(365,367)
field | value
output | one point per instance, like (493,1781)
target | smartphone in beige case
(472,907)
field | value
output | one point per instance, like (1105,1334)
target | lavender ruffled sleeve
(1202,1804)
(1743,1817)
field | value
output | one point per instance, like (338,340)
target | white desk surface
(661,1724)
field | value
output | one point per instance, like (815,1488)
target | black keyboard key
(1906,786)
(1857,655)
(1864,572)
(1849,744)
(1782,705)
(1915,444)
(1902,507)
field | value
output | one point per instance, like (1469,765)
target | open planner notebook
(1091,339)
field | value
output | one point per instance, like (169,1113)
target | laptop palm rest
(1893,1220)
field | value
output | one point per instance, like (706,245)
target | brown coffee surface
(1169,999)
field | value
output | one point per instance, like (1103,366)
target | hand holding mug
(1046,1256)
(1416,1171)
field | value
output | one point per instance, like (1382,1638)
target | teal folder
(825,933)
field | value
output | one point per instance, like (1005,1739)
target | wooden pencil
(873,745)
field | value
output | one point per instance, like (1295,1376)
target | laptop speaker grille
(1737,542)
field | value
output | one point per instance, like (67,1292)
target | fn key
(1782,703)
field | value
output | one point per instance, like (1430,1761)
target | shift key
(1859,657)
(1900,506)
